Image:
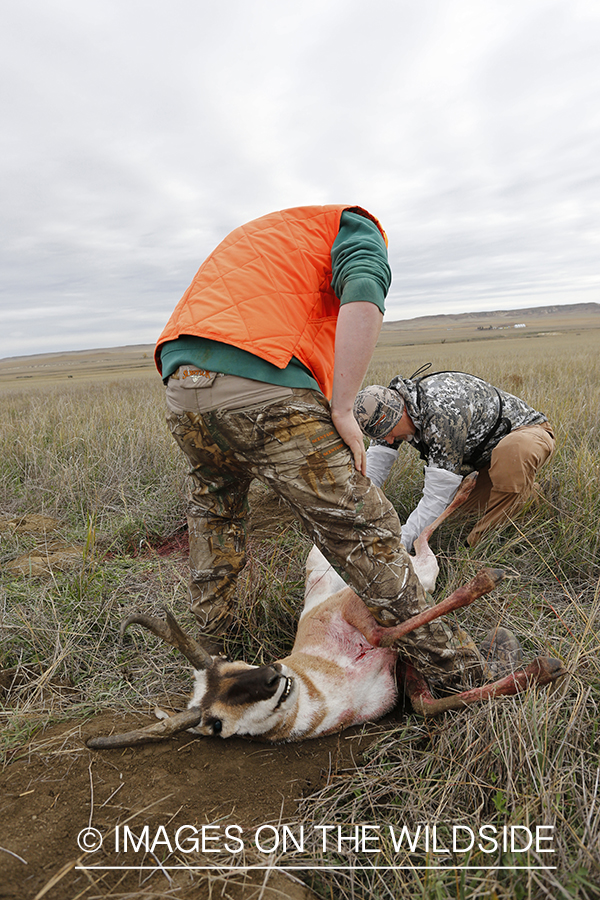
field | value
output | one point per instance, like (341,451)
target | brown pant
(233,430)
(504,486)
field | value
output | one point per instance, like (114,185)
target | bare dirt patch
(28,524)
(53,556)
(55,787)
(49,553)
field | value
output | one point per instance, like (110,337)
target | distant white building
(521,325)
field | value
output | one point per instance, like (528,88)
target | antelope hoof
(542,671)
(493,576)
(549,670)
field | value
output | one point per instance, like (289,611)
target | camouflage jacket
(460,418)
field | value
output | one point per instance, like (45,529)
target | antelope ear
(158,731)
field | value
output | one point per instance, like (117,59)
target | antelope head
(229,698)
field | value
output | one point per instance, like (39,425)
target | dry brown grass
(96,455)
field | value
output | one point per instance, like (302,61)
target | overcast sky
(136,134)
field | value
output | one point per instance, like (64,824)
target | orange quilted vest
(267,289)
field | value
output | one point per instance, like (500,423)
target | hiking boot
(501,653)
(214,620)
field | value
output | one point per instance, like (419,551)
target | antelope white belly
(365,681)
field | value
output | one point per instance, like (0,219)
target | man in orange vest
(262,358)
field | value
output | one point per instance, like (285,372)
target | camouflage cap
(377,410)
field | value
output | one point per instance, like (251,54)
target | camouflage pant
(233,430)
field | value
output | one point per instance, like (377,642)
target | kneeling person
(459,423)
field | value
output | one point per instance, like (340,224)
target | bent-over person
(262,359)
(459,423)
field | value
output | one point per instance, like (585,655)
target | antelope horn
(543,670)
(158,731)
(173,634)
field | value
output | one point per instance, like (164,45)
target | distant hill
(45,368)
(576,310)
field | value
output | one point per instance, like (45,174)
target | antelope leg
(158,731)
(484,582)
(543,670)
(463,493)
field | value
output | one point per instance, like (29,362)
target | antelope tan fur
(342,669)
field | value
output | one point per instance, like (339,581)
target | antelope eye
(217,726)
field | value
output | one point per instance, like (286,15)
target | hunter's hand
(347,428)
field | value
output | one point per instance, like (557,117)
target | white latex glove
(438,491)
(379,462)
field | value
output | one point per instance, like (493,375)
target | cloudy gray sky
(136,134)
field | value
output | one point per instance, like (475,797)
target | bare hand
(347,428)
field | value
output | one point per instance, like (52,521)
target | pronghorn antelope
(342,669)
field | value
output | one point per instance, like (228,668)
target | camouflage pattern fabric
(453,412)
(289,443)
(378,410)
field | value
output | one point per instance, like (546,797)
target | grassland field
(90,472)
